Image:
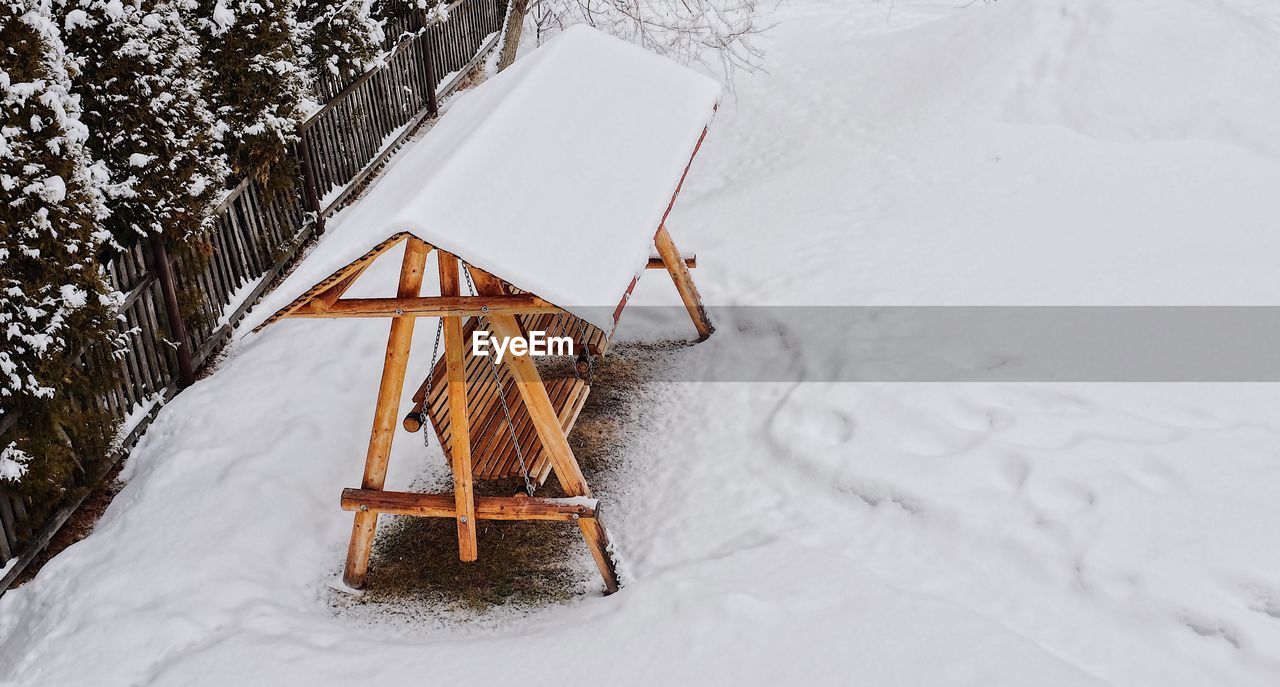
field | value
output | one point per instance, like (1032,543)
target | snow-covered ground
(1023,152)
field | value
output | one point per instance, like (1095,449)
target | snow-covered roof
(553,175)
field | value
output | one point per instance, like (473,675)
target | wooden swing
(465,397)
(494,422)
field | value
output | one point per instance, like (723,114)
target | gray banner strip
(963,344)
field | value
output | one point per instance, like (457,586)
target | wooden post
(459,433)
(597,539)
(684,282)
(432,105)
(543,415)
(310,186)
(384,415)
(547,424)
(177,328)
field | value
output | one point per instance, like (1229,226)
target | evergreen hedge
(121,121)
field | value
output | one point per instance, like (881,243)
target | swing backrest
(493,453)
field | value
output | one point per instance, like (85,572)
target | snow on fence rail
(254,239)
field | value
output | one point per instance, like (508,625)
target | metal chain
(586,355)
(506,412)
(431,375)
(557,327)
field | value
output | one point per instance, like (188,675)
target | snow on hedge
(52,206)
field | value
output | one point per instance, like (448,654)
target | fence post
(177,328)
(431,74)
(309,191)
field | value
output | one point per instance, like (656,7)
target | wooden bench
(493,453)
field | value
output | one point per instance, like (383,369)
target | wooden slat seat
(493,454)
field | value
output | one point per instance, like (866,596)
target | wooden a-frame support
(492,302)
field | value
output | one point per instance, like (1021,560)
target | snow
(223,17)
(77,18)
(13,464)
(236,300)
(139,411)
(553,175)
(55,189)
(803,532)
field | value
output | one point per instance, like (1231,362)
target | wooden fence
(255,238)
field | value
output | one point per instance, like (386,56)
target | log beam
(543,415)
(431,306)
(460,432)
(486,507)
(684,282)
(541,411)
(325,299)
(549,429)
(597,539)
(384,416)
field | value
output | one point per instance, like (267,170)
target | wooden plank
(246,239)
(504,459)
(6,547)
(497,441)
(460,439)
(329,170)
(568,418)
(310,165)
(384,416)
(429,306)
(372,127)
(157,368)
(684,282)
(219,274)
(486,507)
(484,412)
(168,357)
(379,111)
(9,524)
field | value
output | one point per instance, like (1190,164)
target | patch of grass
(520,564)
(415,571)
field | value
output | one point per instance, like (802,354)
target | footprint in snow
(812,423)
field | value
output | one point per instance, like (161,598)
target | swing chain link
(431,374)
(585,355)
(506,412)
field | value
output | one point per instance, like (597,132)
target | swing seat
(493,454)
